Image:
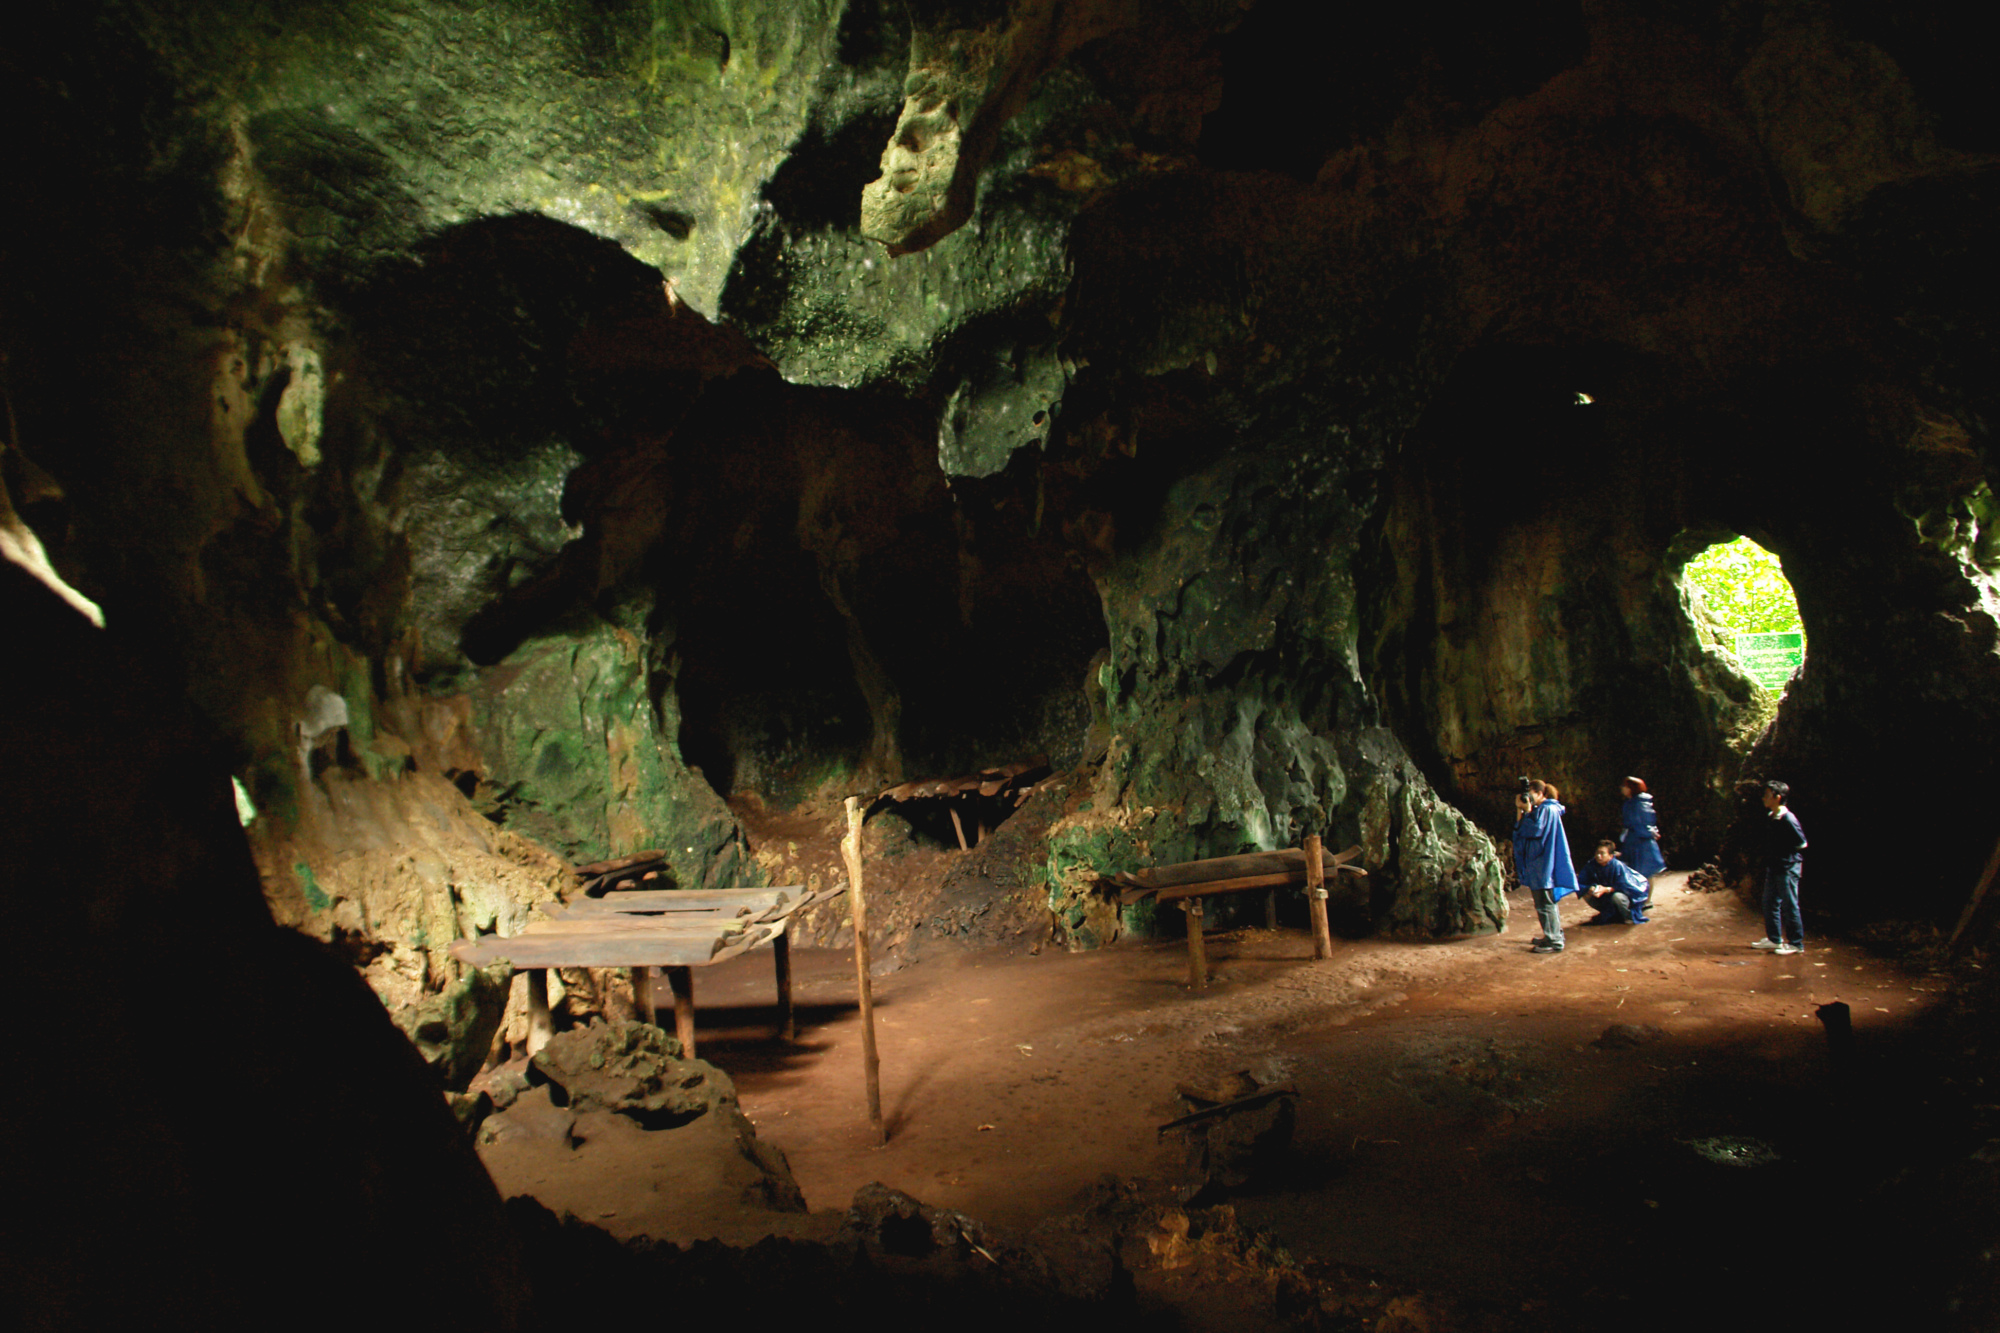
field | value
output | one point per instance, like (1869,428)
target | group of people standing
(1617,880)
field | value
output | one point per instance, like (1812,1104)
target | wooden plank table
(1188,882)
(674,929)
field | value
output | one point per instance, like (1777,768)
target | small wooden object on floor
(850,848)
(1316,897)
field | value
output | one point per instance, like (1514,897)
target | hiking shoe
(1539,939)
(1766,944)
(1549,946)
(1790,948)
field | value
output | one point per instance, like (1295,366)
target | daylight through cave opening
(1742,604)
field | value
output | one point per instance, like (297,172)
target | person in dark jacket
(1780,843)
(1639,840)
(1618,892)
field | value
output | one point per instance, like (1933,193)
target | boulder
(453,1030)
(634,1069)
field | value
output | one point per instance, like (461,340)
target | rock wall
(1202,414)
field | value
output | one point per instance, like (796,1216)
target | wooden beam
(681,979)
(850,848)
(611,948)
(958,826)
(678,900)
(1207,888)
(781,961)
(1287,860)
(1978,896)
(541,1025)
(1197,948)
(1316,898)
(642,993)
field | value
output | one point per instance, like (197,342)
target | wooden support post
(642,994)
(1316,897)
(850,848)
(1972,904)
(781,960)
(1197,948)
(1271,910)
(681,979)
(540,1025)
(959,825)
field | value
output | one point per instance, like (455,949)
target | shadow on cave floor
(1465,1126)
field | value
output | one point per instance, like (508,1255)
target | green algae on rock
(582,752)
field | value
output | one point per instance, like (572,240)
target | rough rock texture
(198,1204)
(1203,414)
(637,1071)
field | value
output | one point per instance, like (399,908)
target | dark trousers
(1781,905)
(1613,906)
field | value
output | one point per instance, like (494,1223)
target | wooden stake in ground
(850,848)
(1316,898)
(1197,954)
(1972,905)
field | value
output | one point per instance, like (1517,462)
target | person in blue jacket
(1780,842)
(1541,858)
(1618,892)
(1639,841)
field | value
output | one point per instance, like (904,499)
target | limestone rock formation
(1291,423)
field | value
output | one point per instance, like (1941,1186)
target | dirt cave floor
(1465,1125)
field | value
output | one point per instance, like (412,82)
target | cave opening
(1742,603)
(1293,425)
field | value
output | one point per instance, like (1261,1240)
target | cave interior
(448,443)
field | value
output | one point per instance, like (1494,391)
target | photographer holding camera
(1541,858)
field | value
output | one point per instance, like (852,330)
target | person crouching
(1620,894)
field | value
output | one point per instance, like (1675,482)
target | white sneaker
(1766,944)
(1791,948)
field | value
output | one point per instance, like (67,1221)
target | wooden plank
(1209,888)
(675,925)
(596,868)
(680,900)
(1288,860)
(608,949)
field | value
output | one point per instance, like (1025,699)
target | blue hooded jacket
(1615,874)
(1541,851)
(1639,842)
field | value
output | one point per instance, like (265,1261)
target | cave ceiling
(524,429)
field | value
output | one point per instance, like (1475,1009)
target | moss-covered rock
(455,1028)
(578,730)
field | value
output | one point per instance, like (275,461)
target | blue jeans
(1781,905)
(1546,913)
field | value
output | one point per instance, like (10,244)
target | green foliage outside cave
(1744,587)
(1743,590)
